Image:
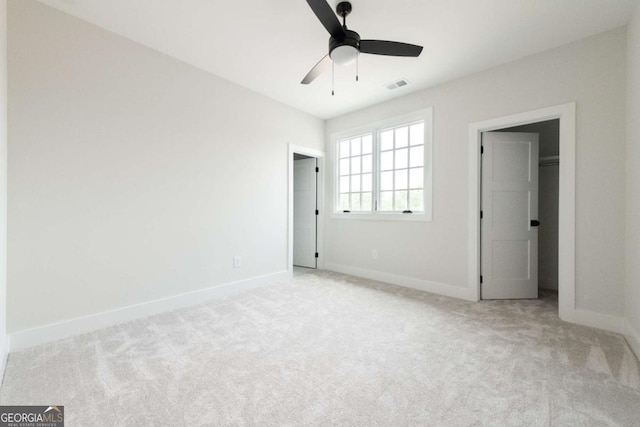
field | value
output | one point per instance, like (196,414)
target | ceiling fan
(345,45)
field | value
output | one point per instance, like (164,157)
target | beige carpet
(327,349)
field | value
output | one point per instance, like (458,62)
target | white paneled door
(509,231)
(304,212)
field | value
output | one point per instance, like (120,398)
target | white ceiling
(269,46)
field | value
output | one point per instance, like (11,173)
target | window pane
(416,200)
(417,156)
(386,181)
(344,166)
(365,204)
(344,184)
(386,161)
(355,183)
(416,134)
(355,201)
(401,179)
(386,201)
(402,137)
(355,147)
(355,164)
(401,200)
(367,163)
(401,158)
(367,180)
(416,178)
(344,148)
(344,202)
(367,144)
(386,140)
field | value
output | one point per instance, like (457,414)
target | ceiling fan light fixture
(345,45)
(344,55)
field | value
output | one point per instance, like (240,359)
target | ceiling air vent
(397,84)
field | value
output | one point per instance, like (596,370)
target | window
(383,171)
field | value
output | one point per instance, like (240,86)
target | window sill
(362,216)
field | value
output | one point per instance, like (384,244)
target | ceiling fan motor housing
(344,50)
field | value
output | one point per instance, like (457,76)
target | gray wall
(632,279)
(3,183)
(591,72)
(133,176)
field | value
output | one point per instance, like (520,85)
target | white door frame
(566,113)
(320,155)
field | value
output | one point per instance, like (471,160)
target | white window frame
(425,115)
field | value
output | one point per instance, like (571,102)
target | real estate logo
(32,416)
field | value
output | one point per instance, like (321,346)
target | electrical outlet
(374,254)
(237,262)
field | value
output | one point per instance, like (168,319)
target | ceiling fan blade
(317,69)
(327,17)
(384,47)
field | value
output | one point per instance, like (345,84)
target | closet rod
(549,161)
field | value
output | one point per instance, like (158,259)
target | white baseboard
(633,338)
(459,292)
(581,317)
(4,353)
(68,328)
(592,319)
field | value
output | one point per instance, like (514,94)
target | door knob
(535,223)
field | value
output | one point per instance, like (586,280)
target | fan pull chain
(357,64)
(333,78)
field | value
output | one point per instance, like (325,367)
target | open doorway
(305,211)
(535,228)
(305,201)
(566,114)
